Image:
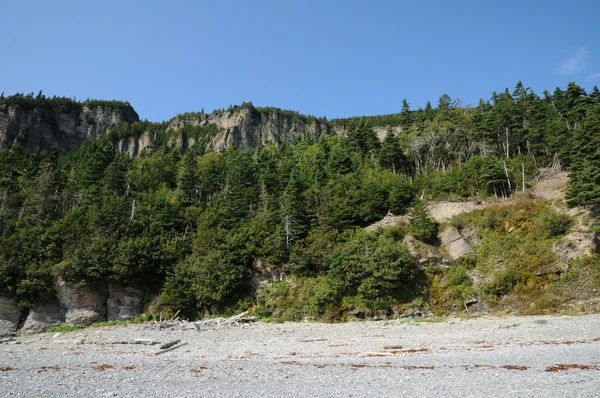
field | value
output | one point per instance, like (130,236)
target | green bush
(554,224)
(458,276)
(502,283)
(459,282)
(374,267)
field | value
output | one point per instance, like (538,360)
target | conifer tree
(390,155)
(405,115)
(421,225)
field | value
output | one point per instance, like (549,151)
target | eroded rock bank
(10,315)
(73,304)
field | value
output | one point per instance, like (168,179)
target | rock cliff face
(124,302)
(85,304)
(74,305)
(10,315)
(41,127)
(248,127)
(47,125)
(132,146)
(48,312)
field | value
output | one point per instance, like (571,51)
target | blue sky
(327,58)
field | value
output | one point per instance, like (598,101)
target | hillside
(105,217)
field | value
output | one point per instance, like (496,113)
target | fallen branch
(175,316)
(145,341)
(168,345)
(170,348)
(377,354)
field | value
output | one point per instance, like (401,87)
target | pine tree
(584,184)
(114,175)
(390,155)
(97,162)
(429,111)
(188,178)
(405,115)
(595,94)
(293,214)
(443,109)
(361,137)
(421,225)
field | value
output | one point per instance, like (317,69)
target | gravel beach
(550,356)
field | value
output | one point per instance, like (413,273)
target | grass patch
(64,328)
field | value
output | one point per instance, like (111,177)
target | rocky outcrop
(573,245)
(134,145)
(10,315)
(124,302)
(248,127)
(443,211)
(390,220)
(470,234)
(264,274)
(65,126)
(423,253)
(455,244)
(47,313)
(85,304)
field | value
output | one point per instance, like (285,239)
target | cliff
(44,123)
(247,127)
(64,123)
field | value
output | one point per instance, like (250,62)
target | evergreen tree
(595,94)
(293,213)
(361,137)
(584,184)
(421,225)
(405,114)
(443,109)
(188,179)
(390,155)
(429,111)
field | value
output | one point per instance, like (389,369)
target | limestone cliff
(247,127)
(45,124)
(42,124)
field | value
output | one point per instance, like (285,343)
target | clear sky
(328,58)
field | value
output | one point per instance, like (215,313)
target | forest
(189,226)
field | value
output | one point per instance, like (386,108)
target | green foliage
(459,282)
(582,277)
(29,102)
(554,224)
(188,224)
(502,283)
(64,328)
(421,225)
(373,267)
(458,276)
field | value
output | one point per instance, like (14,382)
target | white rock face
(44,315)
(10,316)
(66,127)
(85,304)
(246,128)
(133,146)
(456,246)
(124,302)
